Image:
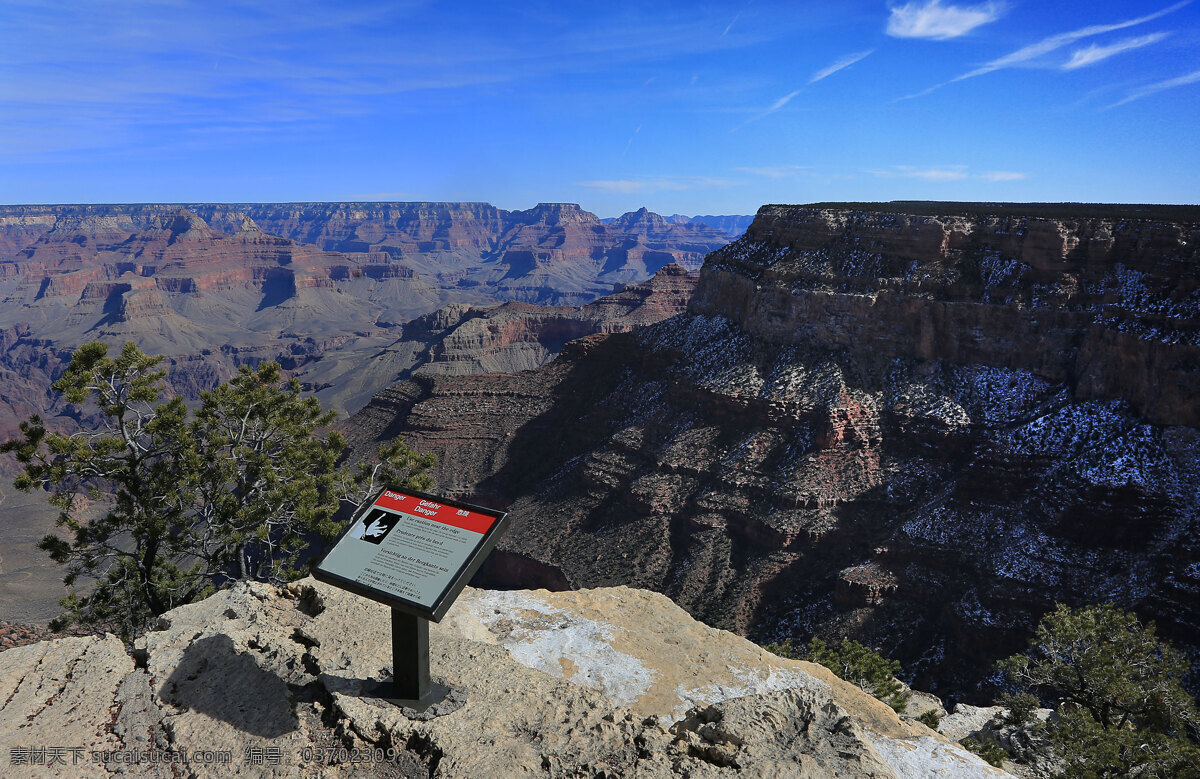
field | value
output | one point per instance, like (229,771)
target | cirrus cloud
(777,171)
(1171,83)
(1055,42)
(943,173)
(1090,55)
(939,173)
(844,62)
(939,22)
(646,185)
(1003,175)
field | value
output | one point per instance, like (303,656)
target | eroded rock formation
(461,339)
(553,253)
(212,288)
(265,682)
(916,429)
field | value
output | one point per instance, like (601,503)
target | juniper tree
(161,505)
(1123,709)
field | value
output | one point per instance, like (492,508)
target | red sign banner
(437,512)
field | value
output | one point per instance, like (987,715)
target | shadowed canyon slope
(915,426)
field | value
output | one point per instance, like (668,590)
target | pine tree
(161,505)
(1123,710)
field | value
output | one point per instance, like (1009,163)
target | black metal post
(411,687)
(410,656)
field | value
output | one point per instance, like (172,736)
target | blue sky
(684,107)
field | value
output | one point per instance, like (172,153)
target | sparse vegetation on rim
(189,501)
(1122,709)
(855,663)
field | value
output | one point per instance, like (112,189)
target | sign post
(414,552)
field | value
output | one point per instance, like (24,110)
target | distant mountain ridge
(733,224)
(552,253)
(220,284)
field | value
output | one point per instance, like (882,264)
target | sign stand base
(411,687)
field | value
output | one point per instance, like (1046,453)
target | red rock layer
(215,293)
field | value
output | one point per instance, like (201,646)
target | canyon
(914,424)
(215,286)
(917,425)
(348,298)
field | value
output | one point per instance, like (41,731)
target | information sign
(412,550)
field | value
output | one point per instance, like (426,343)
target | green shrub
(930,718)
(784,649)
(989,751)
(188,499)
(1020,708)
(863,666)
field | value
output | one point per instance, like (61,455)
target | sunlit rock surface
(615,681)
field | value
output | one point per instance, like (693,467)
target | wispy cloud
(1090,55)
(939,173)
(373,196)
(1034,51)
(844,62)
(1003,175)
(1171,83)
(777,171)
(780,103)
(943,173)
(304,66)
(940,22)
(621,186)
(1055,42)
(629,143)
(652,184)
(732,22)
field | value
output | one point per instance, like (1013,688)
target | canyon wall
(553,253)
(321,288)
(916,428)
(336,293)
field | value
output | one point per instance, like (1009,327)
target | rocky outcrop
(265,682)
(1031,754)
(459,340)
(918,430)
(1109,306)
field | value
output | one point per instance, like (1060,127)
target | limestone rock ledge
(599,683)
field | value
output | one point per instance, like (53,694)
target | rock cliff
(266,682)
(916,426)
(214,286)
(553,253)
(518,336)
